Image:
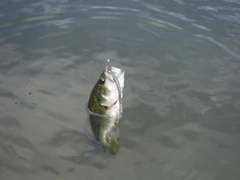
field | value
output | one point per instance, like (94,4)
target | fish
(105,108)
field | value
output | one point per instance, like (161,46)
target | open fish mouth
(116,71)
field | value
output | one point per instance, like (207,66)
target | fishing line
(108,24)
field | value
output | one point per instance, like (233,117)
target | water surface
(181,106)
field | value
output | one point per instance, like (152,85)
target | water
(181,105)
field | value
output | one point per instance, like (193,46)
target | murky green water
(181,103)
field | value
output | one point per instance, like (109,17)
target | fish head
(108,87)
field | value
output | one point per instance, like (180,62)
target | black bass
(105,108)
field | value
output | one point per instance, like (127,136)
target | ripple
(148,19)
(156,31)
(9,121)
(113,8)
(208,8)
(232,1)
(177,87)
(231,18)
(174,14)
(38,18)
(219,44)
(53,35)
(105,18)
(221,96)
(63,23)
(201,27)
(10,58)
(169,142)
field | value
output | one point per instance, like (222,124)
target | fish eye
(101,80)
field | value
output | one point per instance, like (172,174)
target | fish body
(104,109)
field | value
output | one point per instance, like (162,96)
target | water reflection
(18,154)
(11,57)
(72,145)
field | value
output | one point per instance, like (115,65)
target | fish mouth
(116,71)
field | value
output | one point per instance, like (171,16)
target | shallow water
(181,106)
